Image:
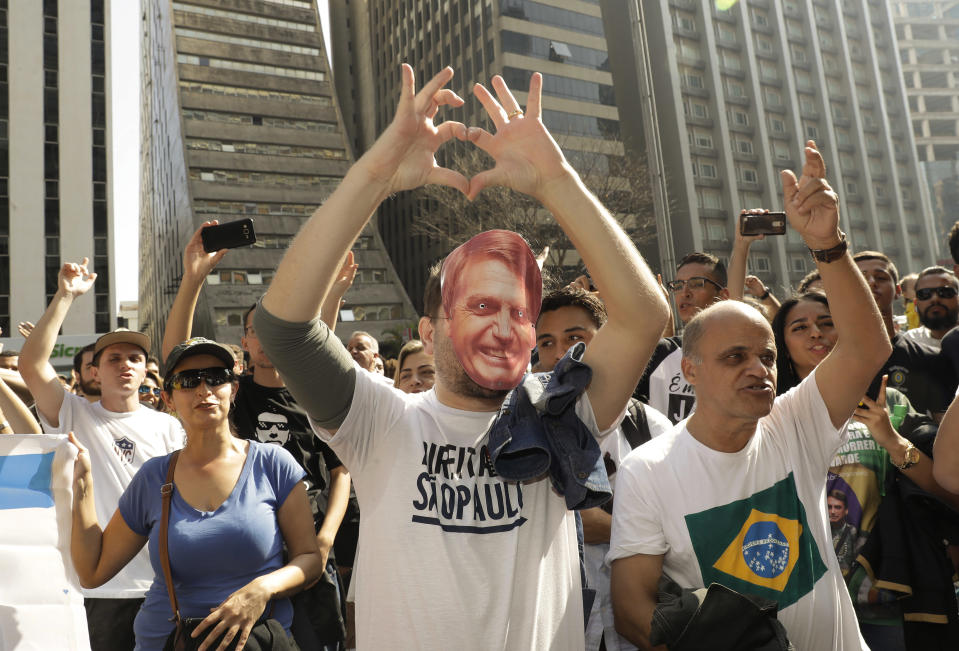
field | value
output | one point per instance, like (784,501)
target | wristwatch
(831,254)
(910,459)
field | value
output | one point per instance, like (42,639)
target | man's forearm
(736,275)
(335,507)
(306,272)
(16,413)
(36,351)
(629,289)
(179,322)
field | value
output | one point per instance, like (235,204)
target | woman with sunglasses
(234,505)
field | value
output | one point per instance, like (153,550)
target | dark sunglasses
(925,293)
(696,282)
(145,390)
(191,379)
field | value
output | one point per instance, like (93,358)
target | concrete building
(563,39)
(54,185)
(240,120)
(928,36)
(722,100)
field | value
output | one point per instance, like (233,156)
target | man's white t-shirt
(452,556)
(119,443)
(614,447)
(753,520)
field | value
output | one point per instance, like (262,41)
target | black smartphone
(769,223)
(230,235)
(873,390)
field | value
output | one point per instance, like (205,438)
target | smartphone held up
(764,223)
(230,235)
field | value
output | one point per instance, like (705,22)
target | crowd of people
(784,473)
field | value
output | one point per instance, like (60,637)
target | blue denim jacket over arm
(537,432)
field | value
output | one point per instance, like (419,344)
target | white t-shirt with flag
(119,443)
(753,520)
(452,556)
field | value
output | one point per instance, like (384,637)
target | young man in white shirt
(120,433)
(451,554)
(736,494)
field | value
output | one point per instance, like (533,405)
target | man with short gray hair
(734,495)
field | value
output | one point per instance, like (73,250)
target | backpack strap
(166,494)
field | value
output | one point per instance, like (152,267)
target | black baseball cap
(199,346)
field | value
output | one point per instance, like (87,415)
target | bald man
(735,494)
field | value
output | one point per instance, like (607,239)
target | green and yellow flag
(760,545)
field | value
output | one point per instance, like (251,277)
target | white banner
(41,606)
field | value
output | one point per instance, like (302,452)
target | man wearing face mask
(480,562)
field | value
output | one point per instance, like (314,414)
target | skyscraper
(563,39)
(928,36)
(239,120)
(724,99)
(54,185)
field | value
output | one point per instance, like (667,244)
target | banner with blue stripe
(41,606)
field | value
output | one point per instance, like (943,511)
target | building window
(739,118)
(748,175)
(760,263)
(744,146)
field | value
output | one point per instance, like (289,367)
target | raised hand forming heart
(526,156)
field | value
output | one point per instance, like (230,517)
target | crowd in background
(238,484)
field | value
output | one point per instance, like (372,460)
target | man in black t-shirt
(921,373)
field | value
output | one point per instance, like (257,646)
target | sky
(125,72)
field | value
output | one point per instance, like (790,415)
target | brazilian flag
(759,545)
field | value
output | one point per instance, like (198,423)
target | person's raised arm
(863,346)
(97,554)
(633,583)
(74,280)
(528,160)
(335,510)
(15,417)
(764,295)
(197,265)
(945,465)
(304,351)
(401,159)
(739,258)
(330,310)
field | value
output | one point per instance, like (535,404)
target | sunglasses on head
(145,390)
(696,282)
(925,293)
(191,379)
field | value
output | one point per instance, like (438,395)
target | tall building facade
(928,35)
(239,120)
(723,100)
(54,183)
(563,39)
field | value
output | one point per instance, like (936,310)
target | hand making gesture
(404,156)
(811,205)
(75,279)
(527,158)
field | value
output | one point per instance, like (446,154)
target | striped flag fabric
(41,606)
